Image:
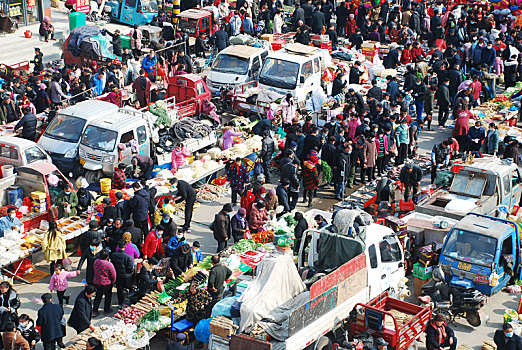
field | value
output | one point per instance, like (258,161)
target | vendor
(228,136)
(119,179)
(380,344)
(198,306)
(299,230)
(180,153)
(440,157)
(258,216)
(145,165)
(507,339)
(187,194)
(410,176)
(85,200)
(181,260)
(439,335)
(9,222)
(147,278)
(67,201)
(385,194)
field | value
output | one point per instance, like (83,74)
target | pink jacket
(499,65)
(352,126)
(179,158)
(288,111)
(59,282)
(228,138)
(477,88)
(378,143)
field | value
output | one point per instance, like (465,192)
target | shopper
(50,322)
(59,282)
(507,339)
(12,339)
(221,227)
(104,279)
(81,314)
(237,175)
(185,194)
(219,273)
(124,266)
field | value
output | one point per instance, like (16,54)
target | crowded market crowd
(452,60)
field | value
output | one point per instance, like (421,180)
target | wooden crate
(222,326)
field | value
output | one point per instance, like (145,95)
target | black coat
(282,198)
(81,314)
(236,227)
(408,178)
(290,172)
(180,262)
(50,319)
(123,264)
(392,59)
(328,154)
(139,205)
(169,228)
(300,228)
(375,92)
(220,39)
(355,75)
(221,228)
(338,86)
(318,22)
(343,164)
(443,96)
(87,238)
(267,149)
(261,126)
(503,343)
(218,275)
(146,280)
(185,192)
(28,125)
(432,336)
(312,142)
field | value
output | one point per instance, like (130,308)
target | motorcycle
(452,301)
(223,99)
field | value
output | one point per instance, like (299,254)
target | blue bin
(14,193)
(158,168)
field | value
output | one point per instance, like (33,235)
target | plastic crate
(278,45)
(422,272)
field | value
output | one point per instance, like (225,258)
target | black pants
(266,169)
(433,172)
(46,34)
(367,172)
(310,194)
(293,197)
(136,53)
(50,345)
(235,193)
(222,245)
(403,152)
(443,115)
(103,291)
(144,227)
(381,163)
(412,188)
(61,295)
(189,208)
(121,285)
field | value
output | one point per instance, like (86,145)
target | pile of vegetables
(205,264)
(154,326)
(244,245)
(129,314)
(289,218)
(263,237)
(199,277)
(139,334)
(171,287)
(153,315)
(285,242)
(163,297)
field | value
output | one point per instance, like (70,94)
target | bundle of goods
(185,128)
(263,236)
(211,193)
(112,336)
(222,326)
(153,321)
(240,247)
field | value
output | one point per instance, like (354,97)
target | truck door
(204,25)
(125,154)
(391,262)
(507,252)
(307,71)
(143,141)
(374,278)
(515,186)
(128,11)
(256,66)
(506,191)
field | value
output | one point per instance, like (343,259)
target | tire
(414,345)
(473,318)
(447,314)
(78,171)
(323,343)
(93,176)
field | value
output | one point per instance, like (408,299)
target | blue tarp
(78,35)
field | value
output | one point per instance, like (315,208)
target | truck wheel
(78,171)
(414,345)
(323,343)
(473,318)
(93,176)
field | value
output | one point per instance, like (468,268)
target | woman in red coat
(406,54)
(350,25)
(461,127)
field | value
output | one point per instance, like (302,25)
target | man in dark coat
(168,225)
(312,141)
(375,91)
(199,46)
(139,207)
(216,279)
(142,86)
(28,124)
(282,195)
(391,61)
(8,111)
(298,15)
(439,335)
(356,39)
(338,84)
(221,227)
(136,235)
(220,39)
(355,73)
(144,163)
(124,266)
(443,98)
(50,320)
(81,314)
(506,339)
(410,176)
(357,99)
(289,172)
(181,260)
(308,13)
(329,152)
(455,79)
(392,88)
(318,21)
(342,170)
(185,193)
(267,151)
(262,126)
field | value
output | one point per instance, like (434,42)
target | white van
(235,65)
(62,136)
(295,69)
(18,152)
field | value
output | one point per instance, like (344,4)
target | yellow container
(510,315)
(105,185)
(39,196)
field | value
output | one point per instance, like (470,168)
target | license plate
(464,266)
(481,279)
(82,162)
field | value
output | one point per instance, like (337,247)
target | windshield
(279,73)
(470,247)
(231,64)
(149,6)
(188,25)
(99,138)
(468,184)
(66,128)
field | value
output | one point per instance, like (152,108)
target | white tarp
(276,283)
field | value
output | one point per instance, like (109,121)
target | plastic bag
(202,330)
(139,343)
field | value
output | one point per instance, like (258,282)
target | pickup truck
(376,265)
(482,252)
(481,187)
(189,90)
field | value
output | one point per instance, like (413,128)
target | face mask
(67,192)
(92,248)
(263,195)
(179,236)
(12,216)
(447,84)
(418,83)
(165,220)
(509,335)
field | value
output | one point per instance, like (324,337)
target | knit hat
(261,190)
(314,159)
(242,212)
(293,144)
(126,237)
(271,192)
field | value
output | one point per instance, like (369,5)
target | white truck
(374,264)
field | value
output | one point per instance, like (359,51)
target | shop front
(26,12)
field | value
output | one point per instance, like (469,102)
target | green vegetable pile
(290,220)
(170,287)
(244,245)
(205,264)
(163,297)
(285,242)
(280,232)
(153,315)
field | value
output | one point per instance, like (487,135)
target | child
(59,282)
(26,327)
(167,207)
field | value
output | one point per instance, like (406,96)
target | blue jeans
(419,107)
(339,189)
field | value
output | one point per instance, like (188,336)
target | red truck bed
(400,323)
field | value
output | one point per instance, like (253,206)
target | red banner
(83,6)
(31,3)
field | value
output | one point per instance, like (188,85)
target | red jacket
(152,245)
(416,52)
(406,56)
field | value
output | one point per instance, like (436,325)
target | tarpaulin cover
(78,35)
(334,250)
(103,41)
(90,49)
(276,283)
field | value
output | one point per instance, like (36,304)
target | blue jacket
(50,319)
(139,205)
(476,54)
(173,244)
(148,64)
(6,224)
(97,85)
(282,197)
(488,56)
(392,89)
(300,146)
(199,255)
(248,26)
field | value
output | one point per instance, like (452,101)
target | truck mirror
(301,79)
(407,254)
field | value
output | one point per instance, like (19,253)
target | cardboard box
(268,37)
(222,326)
(37,195)
(370,49)
(278,45)
(417,285)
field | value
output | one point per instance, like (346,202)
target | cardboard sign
(83,6)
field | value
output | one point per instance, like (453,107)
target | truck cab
(196,22)
(236,65)
(18,152)
(110,141)
(132,12)
(483,253)
(296,69)
(189,91)
(63,134)
(480,187)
